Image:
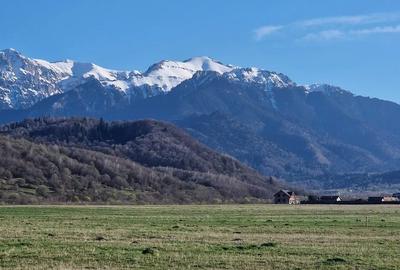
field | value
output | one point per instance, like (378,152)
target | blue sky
(354,44)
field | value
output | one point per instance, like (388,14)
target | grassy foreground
(200,237)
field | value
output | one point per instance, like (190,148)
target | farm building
(286,197)
(330,199)
(382,199)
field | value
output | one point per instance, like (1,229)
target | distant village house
(286,197)
(383,199)
(396,195)
(289,197)
(330,199)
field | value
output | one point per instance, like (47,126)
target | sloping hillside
(138,162)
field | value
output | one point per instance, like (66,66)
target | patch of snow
(258,76)
(272,100)
(324,88)
(64,68)
(122,85)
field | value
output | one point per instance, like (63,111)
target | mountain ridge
(25,81)
(273,125)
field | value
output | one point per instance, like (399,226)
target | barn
(284,196)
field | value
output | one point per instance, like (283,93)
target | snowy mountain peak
(11,59)
(258,76)
(10,51)
(192,65)
(167,74)
(325,88)
(205,63)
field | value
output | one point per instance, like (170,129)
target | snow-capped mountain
(260,117)
(25,81)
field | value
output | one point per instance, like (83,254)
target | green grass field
(200,237)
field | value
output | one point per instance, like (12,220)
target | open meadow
(200,237)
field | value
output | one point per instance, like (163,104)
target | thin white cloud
(351,20)
(331,28)
(264,31)
(324,35)
(377,30)
(339,34)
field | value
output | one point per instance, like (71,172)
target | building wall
(281,198)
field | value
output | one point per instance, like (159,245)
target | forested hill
(87,160)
